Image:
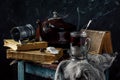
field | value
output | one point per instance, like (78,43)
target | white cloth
(91,69)
(52,50)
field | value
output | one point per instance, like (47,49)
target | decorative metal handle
(87,44)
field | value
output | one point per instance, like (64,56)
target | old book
(35,56)
(100,41)
(28,46)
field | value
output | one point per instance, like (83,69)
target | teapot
(55,31)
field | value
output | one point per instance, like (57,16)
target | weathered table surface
(46,71)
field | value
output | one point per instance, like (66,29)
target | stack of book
(31,52)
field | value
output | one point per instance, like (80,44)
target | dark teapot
(55,31)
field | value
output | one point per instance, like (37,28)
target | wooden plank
(35,56)
(23,47)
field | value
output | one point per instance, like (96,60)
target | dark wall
(104,13)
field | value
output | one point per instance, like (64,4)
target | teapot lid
(55,16)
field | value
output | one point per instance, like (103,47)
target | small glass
(79,45)
(74,44)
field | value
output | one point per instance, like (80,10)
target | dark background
(104,13)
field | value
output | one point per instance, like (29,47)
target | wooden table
(35,62)
(46,71)
(42,70)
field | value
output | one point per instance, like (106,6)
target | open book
(100,41)
(28,46)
